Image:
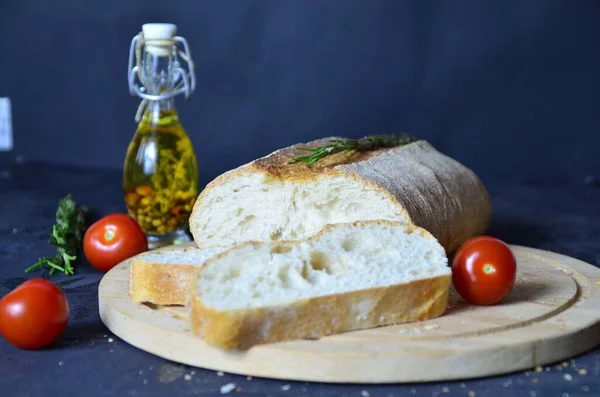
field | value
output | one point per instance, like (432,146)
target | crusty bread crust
(163,284)
(321,316)
(433,190)
(325,315)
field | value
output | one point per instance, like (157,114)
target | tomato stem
(488,269)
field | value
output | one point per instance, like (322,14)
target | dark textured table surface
(556,215)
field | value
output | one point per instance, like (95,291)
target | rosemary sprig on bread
(367,143)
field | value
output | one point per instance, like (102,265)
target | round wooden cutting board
(553,313)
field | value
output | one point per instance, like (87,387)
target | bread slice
(166,276)
(272,200)
(347,277)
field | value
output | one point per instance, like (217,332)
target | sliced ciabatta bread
(166,276)
(347,277)
(273,200)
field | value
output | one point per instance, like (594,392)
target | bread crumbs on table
(145,381)
(60,363)
(445,389)
(585,388)
(365,393)
(532,393)
(582,371)
(286,387)
(597,282)
(228,388)
(110,340)
(472,393)
(220,373)
(565,364)
(413,391)
(539,368)
(463,385)
(193,372)
(187,377)
(238,389)
(248,378)
(534,380)
(568,377)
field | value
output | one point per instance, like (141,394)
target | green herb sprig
(369,142)
(67,236)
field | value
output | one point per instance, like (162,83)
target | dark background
(510,88)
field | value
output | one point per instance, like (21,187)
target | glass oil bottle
(160,173)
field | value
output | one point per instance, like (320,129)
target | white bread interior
(253,206)
(349,276)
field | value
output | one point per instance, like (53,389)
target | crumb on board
(568,377)
(365,393)
(431,326)
(110,340)
(228,388)
(463,385)
(61,363)
(140,372)
(238,389)
(445,389)
(145,381)
(532,393)
(598,282)
(413,391)
(538,368)
(286,387)
(582,371)
(248,378)
(585,388)
(187,377)
(220,373)
(193,372)
(472,393)
(565,364)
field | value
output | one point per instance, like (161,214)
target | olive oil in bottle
(160,172)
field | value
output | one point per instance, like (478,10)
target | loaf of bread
(270,199)
(347,277)
(166,276)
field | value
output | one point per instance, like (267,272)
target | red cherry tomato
(113,239)
(34,314)
(483,270)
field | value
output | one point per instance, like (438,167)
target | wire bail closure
(184,80)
